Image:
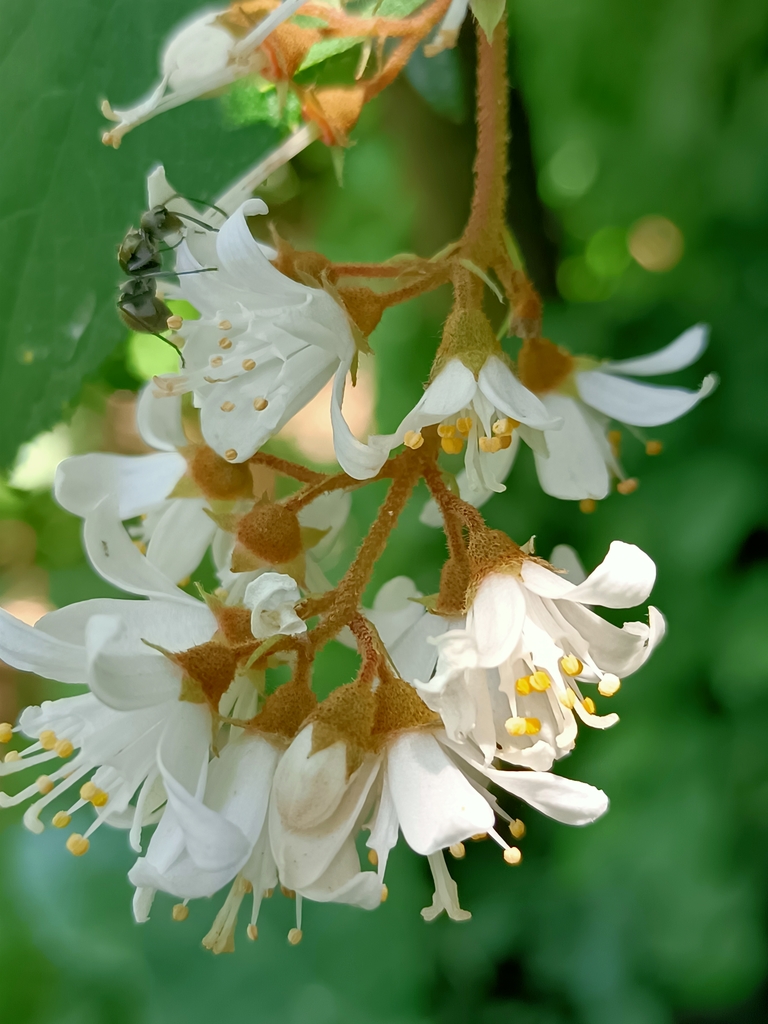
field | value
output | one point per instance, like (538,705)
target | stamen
(180,912)
(517,726)
(457,850)
(523,685)
(249,364)
(540,681)
(373,858)
(513,855)
(413,439)
(217,360)
(61,819)
(225,342)
(384,894)
(260,404)
(505,426)
(627,486)
(77,845)
(6,732)
(587,506)
(452,445)
(295,935)
(225,325)
(464,425)
(44,784)
(568,699)
(614,440)
(12,755)
(571,665)
(227,406)
(94,795)
(64,748)
(589,705)
(478,836)
(252,932)
(446,430)
(517,828)
(288,893)
(494,444)
(47,739)
(653,447)
(230,454)
(174,322)
(609,685)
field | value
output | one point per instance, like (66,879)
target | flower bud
(271,532)
(218,479)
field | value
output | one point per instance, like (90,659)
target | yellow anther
(540,681)
(100,799)
(464,424)
(504,427)
(589,705)
(140,546)
(452,445)
(446,430)
(295,936)
(224,325)
(180,912)
(184,581)
(627,486)
(517,828)
(478,836)
(230,454)
(489,444)
(6,732)
(512,855)
(44,784)
(653,447)
(373,858)
(614,440)
(225,342)
(47,739)
(88,791)
(571,665)
(457,850)
(268,894)
(532,726)
(252,932)
(217,360)
(61,819)
(515,726)
(587,506)
(523,685)
(227,406)
(12,755)
(384,894)
(77,844)
(260,404)
(249,364)
(568,699)
(290,893)
(413,439)
(64,748)
(609,685)
(247,886)
(174,322)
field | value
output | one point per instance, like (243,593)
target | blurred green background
(621,112)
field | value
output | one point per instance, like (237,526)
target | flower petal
(138,482)
(509,396)
(181,538)
(576,465)
(641,405)
(159,420)
(495,619)
(623,579)
(359,460)
(30,649)
(121,677)
(681,352)
(572,803)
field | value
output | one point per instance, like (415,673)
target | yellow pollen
(653,447)
(225,342)
(268,894)
(12,755)
(184,581)
(101,799)
(64,748)
(457,850)
(489,444)
(513,855)
(609,685)
(252,932)
(464,424)
(225,325)
(540,682)
(6,731)
(478,836)
(504,427)
(247,886)
(227,406)
(373,858)
(589,705)
(260,404)
(174,322)
(517,828)
(290,893)
(523,685)
(44,784)
(571,665)
(532,726)
(217,360)
(94,795)
(515,726)
(452,445)
(628,486)
(446,430)
(77,844)
(587,506)
(295,936)
(140,546)
(47,739)
(568,699)
(384,894)
(413,439)
(249,364)
(61,819)
(180,912)
(230,454)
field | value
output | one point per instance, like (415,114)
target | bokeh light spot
(656,243)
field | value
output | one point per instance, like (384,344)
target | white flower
(508,682)
(264,346)
(488,411)
(200,58)
(272,598)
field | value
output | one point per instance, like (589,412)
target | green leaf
(68,200)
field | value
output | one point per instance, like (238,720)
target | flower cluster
(199,731)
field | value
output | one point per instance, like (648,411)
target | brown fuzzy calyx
(542,366)
(364,306)
(454,583)
(399,708)
(271,532)
(298,264)
(335,110)
(491,551)
(467,336)
(241,17)
(234,623)
(210,667)
(285,48)
(216,478)
(346,716)
(285,710)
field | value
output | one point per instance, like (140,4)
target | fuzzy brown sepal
(216,478)
(542,366)
(346,716)
(271,532)
(211,669)
(285,48)
(454,583)
(335,110)
(285,711)
(467,336)
(399,709)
